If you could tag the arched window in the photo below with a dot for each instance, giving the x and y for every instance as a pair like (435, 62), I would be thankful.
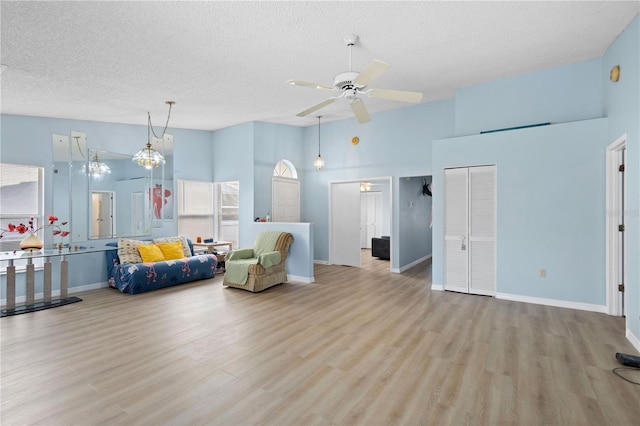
(285, 168)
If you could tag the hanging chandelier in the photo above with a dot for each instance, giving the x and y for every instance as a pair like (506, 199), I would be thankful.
(319, 161)
(97, 168)
(148, 157)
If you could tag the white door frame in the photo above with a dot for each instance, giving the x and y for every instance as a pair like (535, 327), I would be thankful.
(613, 219)
(391, 215)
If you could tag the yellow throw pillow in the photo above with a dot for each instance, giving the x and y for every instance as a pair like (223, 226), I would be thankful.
(150, 253)
(171, 250)
(185, 245)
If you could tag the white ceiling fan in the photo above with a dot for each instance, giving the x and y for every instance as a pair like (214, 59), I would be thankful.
(351, 84)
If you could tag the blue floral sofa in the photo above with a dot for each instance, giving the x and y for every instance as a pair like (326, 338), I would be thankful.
(140, 277)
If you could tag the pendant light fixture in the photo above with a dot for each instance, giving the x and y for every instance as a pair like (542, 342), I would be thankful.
(97, 168)
(148, 157)
(319, 162)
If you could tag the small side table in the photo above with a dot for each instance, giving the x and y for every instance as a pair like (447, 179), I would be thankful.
(211, 246)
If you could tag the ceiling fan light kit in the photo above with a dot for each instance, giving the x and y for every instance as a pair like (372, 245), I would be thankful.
(353, 84)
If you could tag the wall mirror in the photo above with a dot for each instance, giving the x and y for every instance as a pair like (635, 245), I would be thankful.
(69, 183)
(102, 194)
(162, 185)
(118, 196)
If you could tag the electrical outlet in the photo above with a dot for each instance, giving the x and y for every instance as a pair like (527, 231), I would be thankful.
(543, 273)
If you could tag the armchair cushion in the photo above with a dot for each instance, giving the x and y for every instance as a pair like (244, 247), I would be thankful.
(265, 242)
(269, 259)
(240, 254)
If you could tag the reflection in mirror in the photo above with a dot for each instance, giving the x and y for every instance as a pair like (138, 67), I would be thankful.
(119, 199)
(61, 180)
(162, 194)
(79, 196)
(69, 183)
(102, 215)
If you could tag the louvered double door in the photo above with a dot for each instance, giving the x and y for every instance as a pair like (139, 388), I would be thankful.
(470, 230)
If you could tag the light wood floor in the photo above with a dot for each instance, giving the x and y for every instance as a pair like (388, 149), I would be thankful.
(359, 346)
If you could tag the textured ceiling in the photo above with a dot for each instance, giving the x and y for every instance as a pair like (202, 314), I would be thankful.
(226, 63)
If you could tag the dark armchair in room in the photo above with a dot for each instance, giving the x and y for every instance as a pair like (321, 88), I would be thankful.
(380, 247)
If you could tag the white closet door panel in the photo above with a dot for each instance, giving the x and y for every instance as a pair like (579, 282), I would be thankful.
(482, 230)
(482, 267)
(482, 206)
(456, 222)
(456, 277)
(456, 205)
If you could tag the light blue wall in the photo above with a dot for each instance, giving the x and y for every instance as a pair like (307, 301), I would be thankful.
(622, 106)
(550, 207)
(395, 143)
(273, 143)
(414, 221)
(569, 93)
(233, 161)
(193, 155)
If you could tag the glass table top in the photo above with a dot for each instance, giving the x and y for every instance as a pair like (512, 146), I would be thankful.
(19, 254)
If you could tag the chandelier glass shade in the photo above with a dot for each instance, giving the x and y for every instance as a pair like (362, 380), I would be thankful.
(148, 157)
(319, 161)
(97, 168)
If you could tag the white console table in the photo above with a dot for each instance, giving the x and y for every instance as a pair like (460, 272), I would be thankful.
(47, 302)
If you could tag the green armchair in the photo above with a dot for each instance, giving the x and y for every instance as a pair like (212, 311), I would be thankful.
(261, 267)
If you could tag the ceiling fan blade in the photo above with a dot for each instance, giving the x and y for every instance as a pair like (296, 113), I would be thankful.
(360, 111)
(374, 70)
(309, 84)
(316, 107)
(395, 95)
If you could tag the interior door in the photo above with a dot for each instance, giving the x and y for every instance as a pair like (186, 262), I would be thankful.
(285, 200)
(456, 230)
(470, 228)
(370, 217)
(137, 213)
(620, 234)
(344, 239)
(482, 228)
(102, 214)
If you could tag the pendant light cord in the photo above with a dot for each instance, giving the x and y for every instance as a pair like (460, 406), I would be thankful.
(78, 145)
(165, 125)
(319, 136)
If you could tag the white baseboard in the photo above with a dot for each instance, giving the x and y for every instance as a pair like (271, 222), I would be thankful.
(437, 287)
(553, 302)
(56, 293)
(306, 280)
(414, 263)
(321, 262)
(635, 340)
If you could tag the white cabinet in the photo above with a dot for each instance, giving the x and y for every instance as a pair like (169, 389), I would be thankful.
(470, 230)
